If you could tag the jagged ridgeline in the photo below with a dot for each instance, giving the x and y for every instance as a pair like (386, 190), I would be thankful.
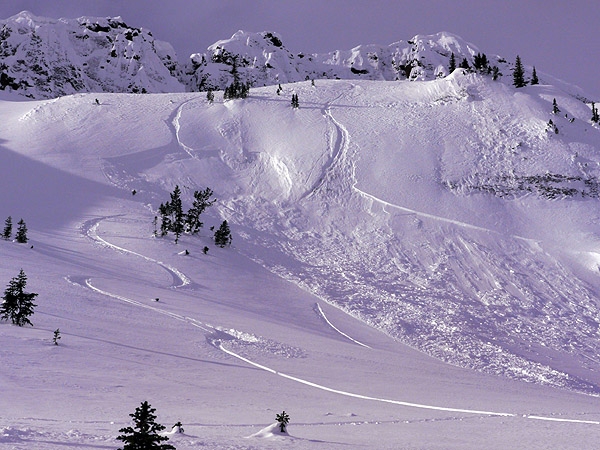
(47, 58)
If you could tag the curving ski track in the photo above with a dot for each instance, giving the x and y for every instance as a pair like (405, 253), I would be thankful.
(90, 228)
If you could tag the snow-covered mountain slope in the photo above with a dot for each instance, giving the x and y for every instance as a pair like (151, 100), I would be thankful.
(47, 58)
(444, 214)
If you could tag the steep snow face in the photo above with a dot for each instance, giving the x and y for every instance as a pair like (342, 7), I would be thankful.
(446, 213)
(45, 58)
(261, 59)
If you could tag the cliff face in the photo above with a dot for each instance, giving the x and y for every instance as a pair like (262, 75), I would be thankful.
(44, 58)
(261, 59)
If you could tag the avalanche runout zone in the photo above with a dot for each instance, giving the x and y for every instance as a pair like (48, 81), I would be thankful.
(90, 229)
(413, 307)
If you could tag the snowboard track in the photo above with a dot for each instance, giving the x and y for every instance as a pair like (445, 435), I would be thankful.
(90, 229)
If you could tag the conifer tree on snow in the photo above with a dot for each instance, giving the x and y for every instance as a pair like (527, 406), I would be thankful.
(519, 74)
(165, 218)
(174, 220)
(452, 66)
(464, 64)
(555, 109)
(595, 116)
(283, 419)
(7, 233)
(236, 89)
(495, 73)
(210, 96)
(223, 235)
(144, 434)
(534, 77)
(480, 62)
(18, 305)
(56, 336)
(295, 102)
(21, 236)
(177, 216)
(202, 200)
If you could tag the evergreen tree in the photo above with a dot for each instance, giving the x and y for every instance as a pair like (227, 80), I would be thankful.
(283, 420)
(165, 218)
(519, 74)
(534, 77)
(480, 62)
(177, 216)
(555, 109)
(18, 305)
(295, 103)
(452, 66)
(154, 225)
(223, 235)
(595, 116)
(496, 73)
(56, 336)
(21, 236)
(144, 434)
(464, 64)
(210, 96)
(202, 200)
(7, 233)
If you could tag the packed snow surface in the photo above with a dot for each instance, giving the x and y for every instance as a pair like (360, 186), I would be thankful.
(414, 265)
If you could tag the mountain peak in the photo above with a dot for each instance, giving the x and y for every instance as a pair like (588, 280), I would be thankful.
(45, 58)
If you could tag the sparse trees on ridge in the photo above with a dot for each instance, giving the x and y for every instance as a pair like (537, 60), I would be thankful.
(464, 64)
(519, 74)
(17, 305)
(480, 63)
(295, 102)
(534, 77)
(236, 89)
(452, 64)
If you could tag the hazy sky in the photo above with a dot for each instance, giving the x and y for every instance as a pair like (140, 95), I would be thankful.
(558, 37)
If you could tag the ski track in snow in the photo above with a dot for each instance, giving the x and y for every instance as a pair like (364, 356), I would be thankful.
(340, 148)
(322, 314)
(90, 229)
(177, 127)
(434, 217)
